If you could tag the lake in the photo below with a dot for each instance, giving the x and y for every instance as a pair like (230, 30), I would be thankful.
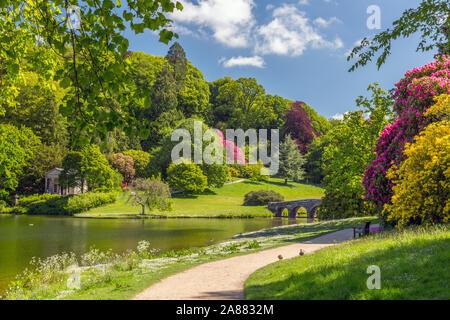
(23, 237)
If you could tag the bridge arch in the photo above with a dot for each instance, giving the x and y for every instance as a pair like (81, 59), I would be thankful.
(310, 205)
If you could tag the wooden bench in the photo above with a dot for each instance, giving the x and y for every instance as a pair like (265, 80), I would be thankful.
(361, 230)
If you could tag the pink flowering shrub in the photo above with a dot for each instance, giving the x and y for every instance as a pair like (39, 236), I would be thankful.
(231, 148)
(414, 95)
(124, 164)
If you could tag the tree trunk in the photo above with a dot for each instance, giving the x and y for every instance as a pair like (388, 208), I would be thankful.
(143, 210)
(285, 181)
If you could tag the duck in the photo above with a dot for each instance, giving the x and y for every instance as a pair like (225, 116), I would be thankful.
(280, 257)
(301, 252)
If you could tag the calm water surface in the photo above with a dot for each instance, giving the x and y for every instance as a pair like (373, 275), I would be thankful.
(24, 237)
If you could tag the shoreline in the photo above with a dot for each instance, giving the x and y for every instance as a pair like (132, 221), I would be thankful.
(111, 279)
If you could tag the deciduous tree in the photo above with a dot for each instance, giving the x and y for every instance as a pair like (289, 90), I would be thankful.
(298, 125)
(150, 193)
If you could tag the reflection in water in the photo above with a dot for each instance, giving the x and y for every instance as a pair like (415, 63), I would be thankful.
(23, 237)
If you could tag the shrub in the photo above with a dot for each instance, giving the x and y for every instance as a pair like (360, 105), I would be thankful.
(216, 174)
(52, 204)
(124, 165)
(233, 172)
(141, 160)
(421, 185)
(262, 197)
(90, 200)
(414, 95)
(36, 198)
(249, 171)
(344, 205)
(186, 177)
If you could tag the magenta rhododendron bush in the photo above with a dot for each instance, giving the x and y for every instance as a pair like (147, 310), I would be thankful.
(231, 148)
(415, 93)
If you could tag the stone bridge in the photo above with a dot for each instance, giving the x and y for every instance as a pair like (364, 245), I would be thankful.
(310, 205)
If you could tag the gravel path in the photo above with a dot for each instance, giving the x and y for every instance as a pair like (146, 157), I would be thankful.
(224, 279)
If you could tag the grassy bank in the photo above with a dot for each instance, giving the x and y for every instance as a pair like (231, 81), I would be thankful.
(224, 202)
(413, 264)
(104, 275)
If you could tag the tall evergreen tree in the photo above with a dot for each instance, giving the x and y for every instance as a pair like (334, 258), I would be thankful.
(291, 161)
(164, 95)
(176, 56)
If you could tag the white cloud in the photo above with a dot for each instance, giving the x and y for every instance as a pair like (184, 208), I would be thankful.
(270, 7)
(229, 20)
(290, 33)
(303, 2)
(321, 22)
(255, 61)
(338, 116)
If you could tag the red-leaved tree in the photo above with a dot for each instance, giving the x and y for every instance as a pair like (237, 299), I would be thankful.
(298, 125)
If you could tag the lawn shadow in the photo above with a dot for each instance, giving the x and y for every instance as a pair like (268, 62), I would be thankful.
(181, 195)
(252, 182)
(280, 184)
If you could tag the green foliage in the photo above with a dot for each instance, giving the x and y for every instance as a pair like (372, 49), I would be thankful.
(262, 198)
(248, 171)
(16, 149)
(162, 156)
(141, 160)
(45, 158)
(430, 18)
(314, 171)
(216, 174)
(193, 97)
(177, 59)
(89, 62)
(146, 68)
(291, 161)
(151, 193)
(320, 124)
(117, 141)
(72, 174)
(89, 200)
(243, 103)
(52, 204)
(338, 205)
(186, 177)
(37, 107)
(349, 152)
(91, 166)
(164, 94)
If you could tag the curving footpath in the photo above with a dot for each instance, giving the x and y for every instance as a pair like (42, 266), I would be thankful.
(224, 279)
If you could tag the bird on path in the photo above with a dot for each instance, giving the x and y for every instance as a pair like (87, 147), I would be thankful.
(280, 257)
(301, 252)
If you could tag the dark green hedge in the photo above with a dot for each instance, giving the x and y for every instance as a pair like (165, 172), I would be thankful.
(262, 197)
(47, 204)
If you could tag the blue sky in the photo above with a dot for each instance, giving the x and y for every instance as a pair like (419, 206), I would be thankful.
(296, 49)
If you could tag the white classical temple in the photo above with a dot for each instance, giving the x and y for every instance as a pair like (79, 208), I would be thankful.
(53, 186)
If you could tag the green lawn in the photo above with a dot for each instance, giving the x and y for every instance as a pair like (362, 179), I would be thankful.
(223, 202)
(413, 265)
